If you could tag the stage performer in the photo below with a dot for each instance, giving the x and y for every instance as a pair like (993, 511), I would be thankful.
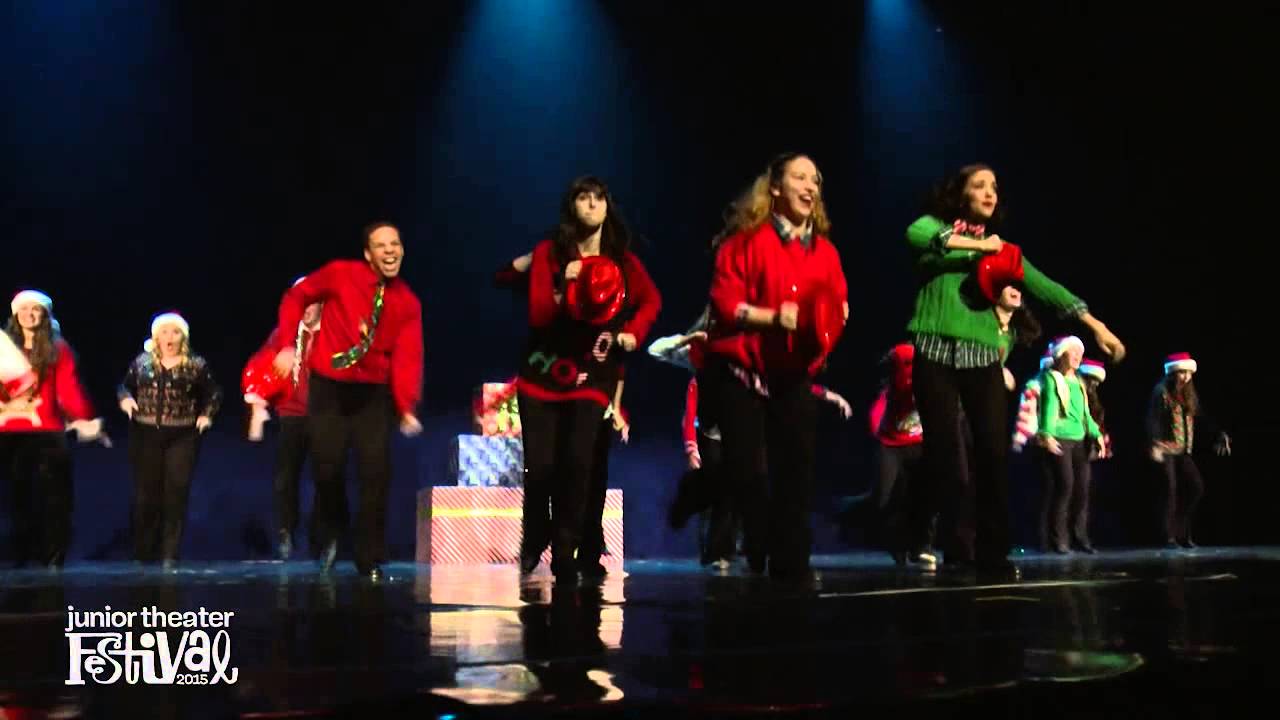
(776, 286)
(170, 396)
(34, 419)
(366, 374)
(958, 353)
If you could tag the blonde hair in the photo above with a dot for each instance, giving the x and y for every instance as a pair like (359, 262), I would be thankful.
(754, 206)
(184, 350)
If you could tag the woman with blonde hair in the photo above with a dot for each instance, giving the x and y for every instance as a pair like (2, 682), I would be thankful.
(774, 265)
(171, 397)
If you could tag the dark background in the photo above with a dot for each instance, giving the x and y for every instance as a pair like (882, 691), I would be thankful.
(200, 156)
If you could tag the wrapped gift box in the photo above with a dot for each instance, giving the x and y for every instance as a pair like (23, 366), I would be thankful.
(463, 525)
(487, 461)
(497, 410)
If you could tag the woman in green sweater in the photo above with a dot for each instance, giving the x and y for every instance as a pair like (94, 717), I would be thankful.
(957, 339)
(1067, 436)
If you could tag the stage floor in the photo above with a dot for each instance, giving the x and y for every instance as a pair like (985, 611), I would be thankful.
(1128, 633)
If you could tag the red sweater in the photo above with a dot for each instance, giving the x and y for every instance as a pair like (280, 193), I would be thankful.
(556, 338)
(894, 420)
(346, 287)
(295, 403)
(755, 267)
(60, 396)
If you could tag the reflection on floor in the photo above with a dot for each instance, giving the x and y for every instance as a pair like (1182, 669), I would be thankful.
(1140, 632)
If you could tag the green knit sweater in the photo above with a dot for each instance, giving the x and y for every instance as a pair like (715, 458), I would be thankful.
(1074, 422)
(940, 307)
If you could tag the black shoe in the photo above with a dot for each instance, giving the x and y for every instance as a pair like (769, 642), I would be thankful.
(284, 544)
(1189, 544)
(1087, 549)
(1172, 544)
(329, 556)
(593, 571)
(529, 564)
(899, 557)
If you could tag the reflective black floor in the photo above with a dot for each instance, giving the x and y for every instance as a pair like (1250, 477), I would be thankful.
(1124, 634)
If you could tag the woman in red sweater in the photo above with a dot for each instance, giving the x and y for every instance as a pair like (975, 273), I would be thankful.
(775, 254)
(33, 424)
(570, 372)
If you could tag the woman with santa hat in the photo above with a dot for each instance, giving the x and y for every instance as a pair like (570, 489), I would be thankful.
(590, 300)
(37, 408)
(958, 350)
(170, 396)
(1171, 423)
(779, 301)
(1068, 437)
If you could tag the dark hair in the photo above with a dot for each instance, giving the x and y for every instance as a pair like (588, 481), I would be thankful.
(44, 353)
(948, 202)
(1095, 400)
(1187, 397)
(1025, 326)
(373, 227)
(615, 236)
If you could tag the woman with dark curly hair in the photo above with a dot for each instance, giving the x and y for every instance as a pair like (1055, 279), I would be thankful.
(958, 352)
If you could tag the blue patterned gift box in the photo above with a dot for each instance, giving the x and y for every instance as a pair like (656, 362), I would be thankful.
(487, 461)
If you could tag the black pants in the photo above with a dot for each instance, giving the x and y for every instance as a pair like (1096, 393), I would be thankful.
(38, 468)
(291, 454)
(341, 417)
(593, 546)
(559, 454)
(900, 469)
(941, 393)
(774, 505)
(1067, 479)
(164, 460)
(1183, 490)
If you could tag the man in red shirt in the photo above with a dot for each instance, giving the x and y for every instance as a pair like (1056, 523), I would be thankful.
(366, 368)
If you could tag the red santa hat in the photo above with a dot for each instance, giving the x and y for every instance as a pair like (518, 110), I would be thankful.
(166, 318)
(35, 296)
(31, 296)
(1179, 361)
(1093, 368)
(1064, 343)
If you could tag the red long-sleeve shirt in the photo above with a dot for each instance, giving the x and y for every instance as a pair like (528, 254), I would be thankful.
(894, 420)
(346, 287)
(545, 273)
(60, 397)
(295, 403)
(553, 334)
(757, 268)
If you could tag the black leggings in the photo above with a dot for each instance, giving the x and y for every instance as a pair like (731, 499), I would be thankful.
(1067, 479)
(164, 459)
(1180, 502)
(37, 466)
(941, 393)
(559, 455)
